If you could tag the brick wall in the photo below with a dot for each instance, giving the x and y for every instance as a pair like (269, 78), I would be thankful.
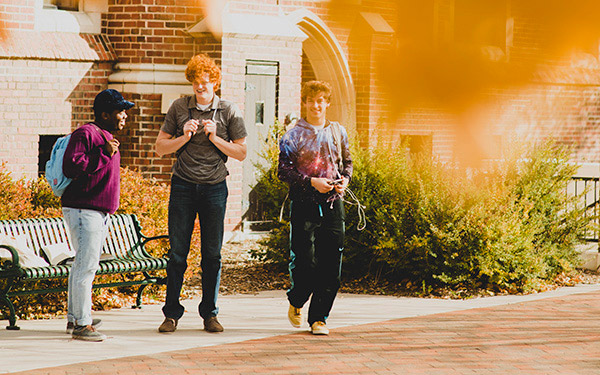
(139, 135)
(17, 14)
(82, 96)
(152, 31)
(352, 35)
(567, 113)
(36, 97)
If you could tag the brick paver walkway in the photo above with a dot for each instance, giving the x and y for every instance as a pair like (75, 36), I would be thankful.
(550, 336)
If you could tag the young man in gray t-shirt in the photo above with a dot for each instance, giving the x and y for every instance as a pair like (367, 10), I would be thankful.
(203, 131)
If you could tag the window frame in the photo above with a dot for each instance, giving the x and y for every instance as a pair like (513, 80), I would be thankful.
(88, 19)
(494, 49)
(76, 8)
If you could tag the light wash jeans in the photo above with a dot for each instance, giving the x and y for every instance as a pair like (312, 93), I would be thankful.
(88, 230)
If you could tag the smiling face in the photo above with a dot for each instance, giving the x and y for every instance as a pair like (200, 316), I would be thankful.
(204, 89)
(114, 121)
(316, 108)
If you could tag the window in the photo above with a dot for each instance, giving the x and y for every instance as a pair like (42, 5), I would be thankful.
(72, 5)
(44, 150)
(259, 116)
(417, 145)
(73, 16)
(481, 22)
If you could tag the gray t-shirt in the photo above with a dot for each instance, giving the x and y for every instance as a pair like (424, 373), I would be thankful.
(199, 160)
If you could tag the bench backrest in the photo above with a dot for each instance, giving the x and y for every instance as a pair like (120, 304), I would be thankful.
(124, 238)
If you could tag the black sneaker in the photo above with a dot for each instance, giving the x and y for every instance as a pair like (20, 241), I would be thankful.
(71, 325)
(87, 333)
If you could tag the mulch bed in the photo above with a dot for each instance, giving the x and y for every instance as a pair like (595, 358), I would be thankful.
(242, 274)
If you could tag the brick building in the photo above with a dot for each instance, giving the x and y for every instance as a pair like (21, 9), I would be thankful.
(55, 55)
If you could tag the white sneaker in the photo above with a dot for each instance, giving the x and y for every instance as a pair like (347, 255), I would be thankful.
(319, 328)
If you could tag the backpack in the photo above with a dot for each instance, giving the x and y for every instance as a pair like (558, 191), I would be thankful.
(54, 167)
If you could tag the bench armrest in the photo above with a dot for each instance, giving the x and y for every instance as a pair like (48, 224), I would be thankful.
(14, 261)
(148, 239)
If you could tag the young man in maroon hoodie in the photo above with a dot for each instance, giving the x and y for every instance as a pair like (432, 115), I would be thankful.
(92, 160)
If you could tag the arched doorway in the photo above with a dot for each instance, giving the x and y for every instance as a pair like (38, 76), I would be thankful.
(329, 64)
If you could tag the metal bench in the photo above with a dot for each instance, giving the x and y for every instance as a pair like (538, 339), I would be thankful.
(125, 243)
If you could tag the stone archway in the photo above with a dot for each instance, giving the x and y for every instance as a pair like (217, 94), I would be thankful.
(329, 64)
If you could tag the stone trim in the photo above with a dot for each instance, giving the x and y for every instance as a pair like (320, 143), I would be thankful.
(165, 79)
(256, 25)
(26, 44)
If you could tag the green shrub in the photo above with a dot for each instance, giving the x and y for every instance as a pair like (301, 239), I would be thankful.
(148, 199)
(14, 195)
(435, 225)
(271, 194)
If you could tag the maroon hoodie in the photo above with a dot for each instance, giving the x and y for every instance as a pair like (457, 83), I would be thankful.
(95, 175)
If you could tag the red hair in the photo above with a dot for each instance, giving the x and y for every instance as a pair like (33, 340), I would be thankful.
(200, 64)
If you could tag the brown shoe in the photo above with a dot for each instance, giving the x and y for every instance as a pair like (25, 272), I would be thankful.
(212, 325)
(169, 325)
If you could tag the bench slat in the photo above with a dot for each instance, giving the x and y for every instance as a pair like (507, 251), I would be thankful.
(126, 237)
(119, 241)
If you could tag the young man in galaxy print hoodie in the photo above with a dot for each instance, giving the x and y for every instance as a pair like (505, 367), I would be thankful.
(314, 159)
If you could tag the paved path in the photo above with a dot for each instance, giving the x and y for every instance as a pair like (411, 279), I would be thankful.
(548, 333)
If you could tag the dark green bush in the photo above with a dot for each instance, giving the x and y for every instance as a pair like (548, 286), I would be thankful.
(504, 227)
(271, 194)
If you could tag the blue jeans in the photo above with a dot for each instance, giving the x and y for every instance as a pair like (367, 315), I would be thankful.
(88, 230)
(208, 202)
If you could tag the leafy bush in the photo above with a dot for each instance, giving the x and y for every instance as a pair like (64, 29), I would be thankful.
(435, 225)
(24, 199)
(148, 199)
(271, 193)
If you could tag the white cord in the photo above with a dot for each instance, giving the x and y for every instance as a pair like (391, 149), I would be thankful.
(362, 217)
(282, 207)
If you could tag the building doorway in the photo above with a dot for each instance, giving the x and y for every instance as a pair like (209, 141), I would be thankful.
(259, 117)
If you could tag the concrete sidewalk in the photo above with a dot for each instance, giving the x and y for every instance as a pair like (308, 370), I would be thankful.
(258, 324)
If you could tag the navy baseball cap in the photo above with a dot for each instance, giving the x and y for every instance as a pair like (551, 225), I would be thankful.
(110, 100)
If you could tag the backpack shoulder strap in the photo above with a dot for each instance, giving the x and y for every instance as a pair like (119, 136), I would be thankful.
(99, 131)
(336, 132)
(182, 149)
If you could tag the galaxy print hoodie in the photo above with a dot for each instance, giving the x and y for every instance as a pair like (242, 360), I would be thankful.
(306, 152)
